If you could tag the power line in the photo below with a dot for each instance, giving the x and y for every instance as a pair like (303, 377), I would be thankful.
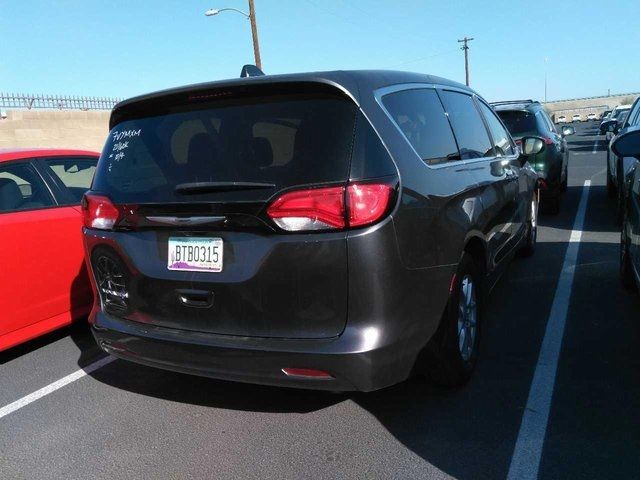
(424, 58)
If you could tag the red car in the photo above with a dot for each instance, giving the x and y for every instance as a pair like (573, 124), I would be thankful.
(43, 279)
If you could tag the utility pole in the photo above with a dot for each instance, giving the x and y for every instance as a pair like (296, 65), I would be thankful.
(545, 79)
(254, 34)
(465, 48)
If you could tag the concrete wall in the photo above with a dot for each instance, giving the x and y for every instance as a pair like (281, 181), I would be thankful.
(88, 130)
(584, 106)
(54, 128)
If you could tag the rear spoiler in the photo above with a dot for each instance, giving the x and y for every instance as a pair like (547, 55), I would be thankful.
(160, 103)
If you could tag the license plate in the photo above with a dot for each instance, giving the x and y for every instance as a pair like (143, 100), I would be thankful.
(195, 254)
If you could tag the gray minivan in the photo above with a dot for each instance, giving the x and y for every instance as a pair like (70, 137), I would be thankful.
(334, 230)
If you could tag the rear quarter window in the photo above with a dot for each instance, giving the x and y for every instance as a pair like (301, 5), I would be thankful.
(370, 157)
(420, 116)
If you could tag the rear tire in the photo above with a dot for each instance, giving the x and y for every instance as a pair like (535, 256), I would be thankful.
(619, 204)
(611, 188)
(454, 348)
(565, 182)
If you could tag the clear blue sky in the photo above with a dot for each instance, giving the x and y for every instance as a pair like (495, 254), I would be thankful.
(127, 47)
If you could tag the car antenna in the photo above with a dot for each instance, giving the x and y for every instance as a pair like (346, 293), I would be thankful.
(251, 71)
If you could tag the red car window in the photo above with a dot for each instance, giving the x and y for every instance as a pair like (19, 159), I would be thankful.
(21, 188)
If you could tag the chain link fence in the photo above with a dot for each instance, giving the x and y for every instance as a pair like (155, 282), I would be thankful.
(58, 102)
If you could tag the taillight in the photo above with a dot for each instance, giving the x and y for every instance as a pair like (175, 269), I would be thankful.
(100, 213)
(316, 209)
(331, 208)
(367, 203)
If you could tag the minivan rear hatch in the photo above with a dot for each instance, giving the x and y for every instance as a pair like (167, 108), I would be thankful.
(199, 169)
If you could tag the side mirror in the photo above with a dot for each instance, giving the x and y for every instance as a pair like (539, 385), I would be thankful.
(608, 126)
(568, 130)
(532, 145)
(627, 144)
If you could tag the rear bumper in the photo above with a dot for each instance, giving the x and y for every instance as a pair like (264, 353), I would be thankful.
(358, 360)
(551, 181)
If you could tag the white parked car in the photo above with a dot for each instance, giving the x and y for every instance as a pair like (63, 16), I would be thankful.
(576, 118)
(592, 116)
(561, 119)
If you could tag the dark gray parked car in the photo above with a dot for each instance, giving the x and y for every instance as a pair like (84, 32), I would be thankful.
(332, 230)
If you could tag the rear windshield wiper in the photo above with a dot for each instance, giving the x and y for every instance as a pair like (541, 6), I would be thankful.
(210, 187)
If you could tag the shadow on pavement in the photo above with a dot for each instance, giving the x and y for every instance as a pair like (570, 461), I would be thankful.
(593, 426)
(209, 392)
(590, 133)
(601, 147)
(587, 146)
(470, 432)
(33, 345)
(601, 213)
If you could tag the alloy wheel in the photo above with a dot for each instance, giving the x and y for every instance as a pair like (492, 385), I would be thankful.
(111, 283)
(467, 318)
(534, 217)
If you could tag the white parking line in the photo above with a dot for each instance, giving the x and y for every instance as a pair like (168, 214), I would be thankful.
(528, 450)
(52, 387)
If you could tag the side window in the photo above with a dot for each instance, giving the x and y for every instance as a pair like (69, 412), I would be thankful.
(634, 116)
(542, 123)
(75, 174)
(21, 188)
(472, 135)
(501, 139)
(420, 116)
(550, 126)
(369, 159)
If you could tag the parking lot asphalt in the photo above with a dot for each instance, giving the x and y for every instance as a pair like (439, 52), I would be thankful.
(129, 421)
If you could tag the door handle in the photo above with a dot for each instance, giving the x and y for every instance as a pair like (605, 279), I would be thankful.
(195, 298)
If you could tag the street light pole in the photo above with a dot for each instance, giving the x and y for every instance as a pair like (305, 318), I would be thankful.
(545, 79)
(251, 16)
(254, 34)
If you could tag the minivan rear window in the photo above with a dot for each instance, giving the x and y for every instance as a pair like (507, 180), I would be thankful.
(283, 141)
